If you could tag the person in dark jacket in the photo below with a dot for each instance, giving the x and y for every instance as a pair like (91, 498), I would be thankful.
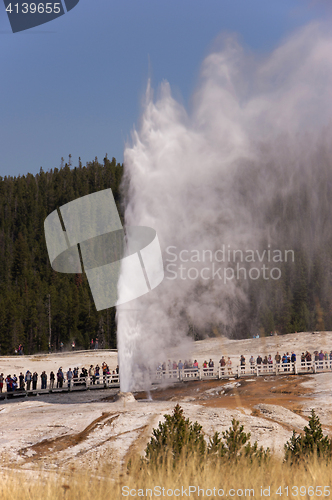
(21, 379)
(43, 380)
(52, 379)
(34, 381)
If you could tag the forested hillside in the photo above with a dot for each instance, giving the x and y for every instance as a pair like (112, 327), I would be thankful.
(27, 282)
(300, 300)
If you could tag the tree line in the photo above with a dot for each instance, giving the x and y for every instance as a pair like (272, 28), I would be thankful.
(33, 297)
(38, 305)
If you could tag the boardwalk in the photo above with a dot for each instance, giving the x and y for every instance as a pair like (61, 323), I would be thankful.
(184, 375)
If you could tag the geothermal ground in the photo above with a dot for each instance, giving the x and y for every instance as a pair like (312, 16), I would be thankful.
(58, 431)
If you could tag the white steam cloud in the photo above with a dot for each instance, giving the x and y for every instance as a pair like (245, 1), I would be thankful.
(258, 132)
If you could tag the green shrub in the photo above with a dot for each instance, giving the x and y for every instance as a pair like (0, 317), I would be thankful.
(178, 438)
(175, 438)
(312, 442)
(236, 445)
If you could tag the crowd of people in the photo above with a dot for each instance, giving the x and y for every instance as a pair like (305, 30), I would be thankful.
(263, 364)
(93, 375)
(96, 374)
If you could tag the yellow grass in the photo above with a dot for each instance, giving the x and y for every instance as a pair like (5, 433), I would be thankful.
(235, 481)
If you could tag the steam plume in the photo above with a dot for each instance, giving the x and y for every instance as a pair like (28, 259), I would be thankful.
(248, 167)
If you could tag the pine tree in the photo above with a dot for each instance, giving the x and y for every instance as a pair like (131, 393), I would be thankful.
(175, 438)
(312, 442)
(236, 445)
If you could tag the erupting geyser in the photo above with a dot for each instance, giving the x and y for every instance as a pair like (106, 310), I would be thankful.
(249, 167)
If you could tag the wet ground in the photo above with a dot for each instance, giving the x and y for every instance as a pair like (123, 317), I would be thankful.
(283, 390)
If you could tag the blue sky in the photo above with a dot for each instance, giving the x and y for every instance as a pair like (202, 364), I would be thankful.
(75, 85)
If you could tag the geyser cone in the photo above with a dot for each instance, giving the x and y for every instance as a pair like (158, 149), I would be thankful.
(126, 397)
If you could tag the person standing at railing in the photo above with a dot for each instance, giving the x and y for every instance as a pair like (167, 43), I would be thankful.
(69, 377)
(308, 359)
(75, 375)
(52, 379)
(205, 367)
(302, 360)
(34, 381)
(28, 377)
(326, 358)
(91, 373)
(252, 364)
(277, 358)
(9, 383)
(196, 365)
(83, 376)
(21, 379)
(259, 361)
(43, 380)
(316, 357)
(105, 370)
(293, 357)
(60, 378)
(242, 363)
(97, 374)
(222, 362)
(180, 365)
(1, 382)
(321, 358)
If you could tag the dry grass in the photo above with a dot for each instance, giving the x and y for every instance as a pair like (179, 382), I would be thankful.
(107, 484)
